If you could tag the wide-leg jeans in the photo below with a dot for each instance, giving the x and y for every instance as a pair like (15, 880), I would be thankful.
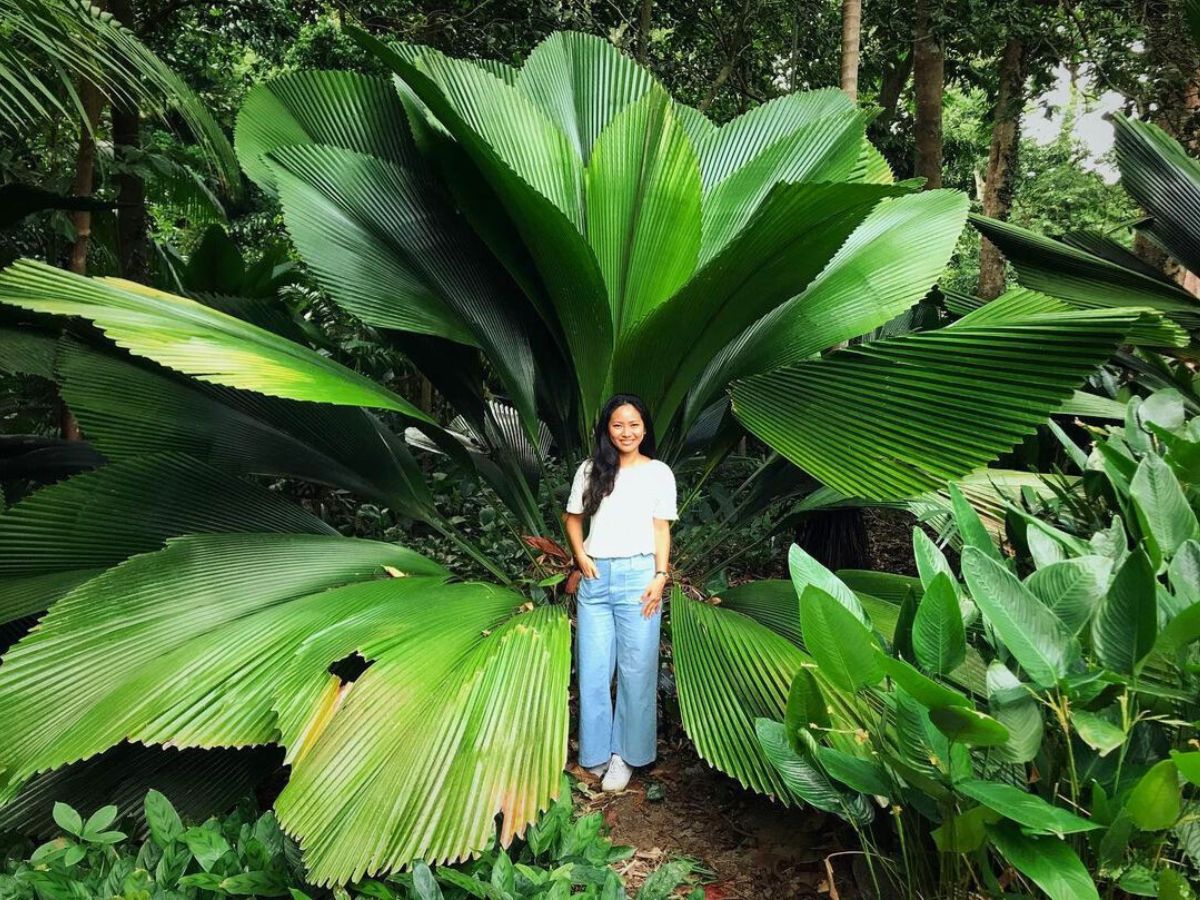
(613, 635)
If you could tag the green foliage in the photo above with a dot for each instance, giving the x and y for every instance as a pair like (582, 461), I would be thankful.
(532, 238)
(246, 854)
(51, 46)
(1093, 681)
(241, 854)
(1091, 270)
(753, 255)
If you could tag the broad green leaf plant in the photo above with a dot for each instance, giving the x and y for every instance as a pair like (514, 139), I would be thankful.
(534, 239)
(247, 854)
(1039, 713)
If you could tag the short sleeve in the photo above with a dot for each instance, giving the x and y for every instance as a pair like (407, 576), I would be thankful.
(575, 500)
(664, 501)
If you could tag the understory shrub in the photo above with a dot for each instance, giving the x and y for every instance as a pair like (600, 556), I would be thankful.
(246, 854)
(1030, 722)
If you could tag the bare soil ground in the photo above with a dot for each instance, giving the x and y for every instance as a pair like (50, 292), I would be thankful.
(747, 845)
(889, 541)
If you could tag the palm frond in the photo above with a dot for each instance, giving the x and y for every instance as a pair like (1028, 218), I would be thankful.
(884, 421)
(582, 82)
(192, 338)
(49, 46)
(875, 275)
(527, 160)
(782, 248)
(731, 670)
(643, 208)
(1165, 181)
(66, 533)
(226, 640)
(200, 783)
(1017, 304)
(130, 409)
(1084, 280)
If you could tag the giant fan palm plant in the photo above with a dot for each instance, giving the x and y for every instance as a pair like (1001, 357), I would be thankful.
(578, 231)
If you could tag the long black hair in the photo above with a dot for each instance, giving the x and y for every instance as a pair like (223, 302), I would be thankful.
(605, 457)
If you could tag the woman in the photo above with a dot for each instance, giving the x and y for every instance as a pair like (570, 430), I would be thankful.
(630, 498)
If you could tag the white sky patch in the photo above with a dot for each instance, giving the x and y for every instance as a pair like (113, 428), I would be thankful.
(1089, 127)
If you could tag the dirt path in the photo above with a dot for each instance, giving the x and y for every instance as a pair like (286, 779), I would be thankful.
(753, 848)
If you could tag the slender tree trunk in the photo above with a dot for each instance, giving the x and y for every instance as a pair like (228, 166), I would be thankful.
(851, 32)
(133, 240)
(895, 77)
(718, 83)
(928, 80)
(998, 182)
(81, 219)
(85, 169)
(644, 31)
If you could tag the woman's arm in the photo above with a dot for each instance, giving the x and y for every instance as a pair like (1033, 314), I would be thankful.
(652, 596)
(575, 538)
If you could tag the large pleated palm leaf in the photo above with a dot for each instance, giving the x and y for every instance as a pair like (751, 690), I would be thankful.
(589, 234)
(581, 231)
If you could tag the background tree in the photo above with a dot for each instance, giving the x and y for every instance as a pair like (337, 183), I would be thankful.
(928, 84)
(851, 37)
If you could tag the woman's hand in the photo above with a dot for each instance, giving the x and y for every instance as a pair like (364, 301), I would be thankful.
(587, 567)
(652, 596)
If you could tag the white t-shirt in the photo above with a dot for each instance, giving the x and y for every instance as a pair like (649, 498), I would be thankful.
(624, 523)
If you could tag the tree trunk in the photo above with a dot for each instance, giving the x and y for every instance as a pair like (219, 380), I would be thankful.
(133, 240)
(836, 538)
(851, 31)
(895, 77)
(722, 77)
(928, 79)
(644, 32)
(81, 219)
(85, 169)
(998, 183)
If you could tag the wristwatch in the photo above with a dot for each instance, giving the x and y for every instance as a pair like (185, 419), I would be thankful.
(664, 574)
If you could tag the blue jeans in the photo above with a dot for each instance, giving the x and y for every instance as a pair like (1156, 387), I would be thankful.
(612, 634)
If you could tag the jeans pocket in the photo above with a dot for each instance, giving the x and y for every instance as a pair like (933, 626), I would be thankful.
(636, 579)
(647, 567)
(589, 587)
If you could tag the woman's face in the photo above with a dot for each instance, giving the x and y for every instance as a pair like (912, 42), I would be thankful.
(625, 428)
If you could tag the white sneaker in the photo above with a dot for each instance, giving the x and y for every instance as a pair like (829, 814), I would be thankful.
(599, 770)
(617, 776)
